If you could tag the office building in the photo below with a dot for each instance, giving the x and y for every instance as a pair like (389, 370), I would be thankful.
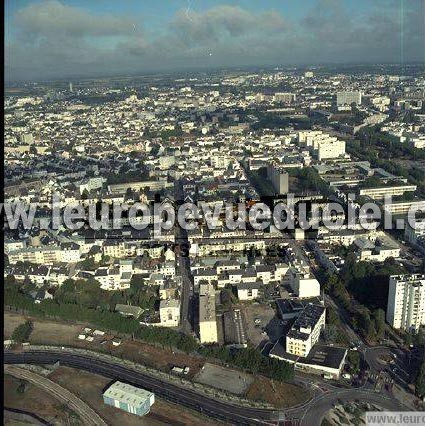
(129, 398)
(406, 302)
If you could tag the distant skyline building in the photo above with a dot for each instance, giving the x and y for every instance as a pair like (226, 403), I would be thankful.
(70, 87)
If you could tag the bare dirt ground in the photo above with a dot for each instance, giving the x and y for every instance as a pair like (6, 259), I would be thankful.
(281, 395)
(161, 359)
(36, 401)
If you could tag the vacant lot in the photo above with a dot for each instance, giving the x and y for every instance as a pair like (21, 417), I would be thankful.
(45, 331)
(251, 312)
(226, 379)
(281, 395)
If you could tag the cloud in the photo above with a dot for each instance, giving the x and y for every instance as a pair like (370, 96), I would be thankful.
(53, 39)
(52, 18)
(223, 22)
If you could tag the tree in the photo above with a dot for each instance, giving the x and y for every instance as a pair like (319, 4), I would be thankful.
(408, 339)
(420, 381)
(88, 264)
(21, 387)
(9, 281)
(365, 323)
(332, 316)
(22, 332)
(353, 359)
(419, 339)
(379, 319)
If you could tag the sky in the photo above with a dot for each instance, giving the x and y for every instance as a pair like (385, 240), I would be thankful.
(54, 39)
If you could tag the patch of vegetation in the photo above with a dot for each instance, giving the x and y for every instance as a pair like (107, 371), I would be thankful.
(22, 332)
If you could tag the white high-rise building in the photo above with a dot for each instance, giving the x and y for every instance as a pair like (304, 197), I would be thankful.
(406, 302)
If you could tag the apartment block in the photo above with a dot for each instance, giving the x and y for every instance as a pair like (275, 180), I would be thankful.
(406, 302)
(381, 192)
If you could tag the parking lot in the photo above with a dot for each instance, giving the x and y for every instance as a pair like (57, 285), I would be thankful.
(258, 319)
